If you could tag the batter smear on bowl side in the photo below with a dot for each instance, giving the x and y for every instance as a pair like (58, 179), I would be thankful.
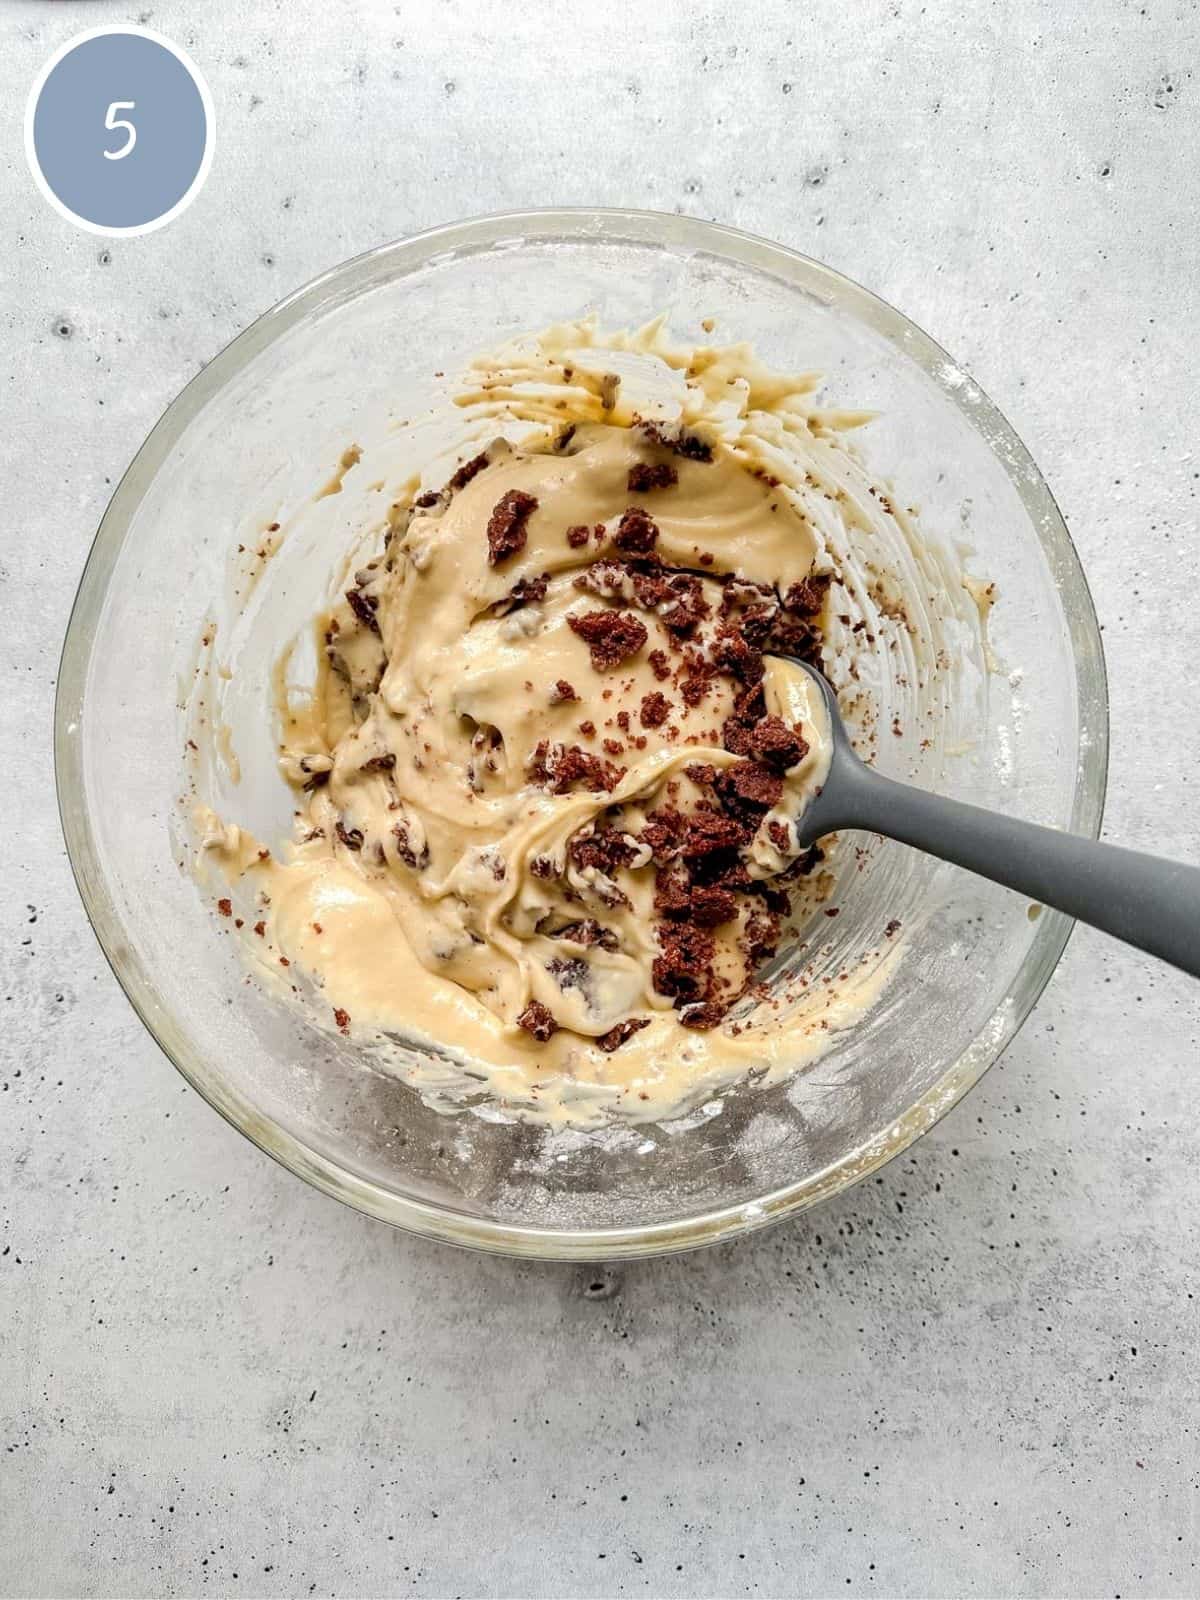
(549, 774)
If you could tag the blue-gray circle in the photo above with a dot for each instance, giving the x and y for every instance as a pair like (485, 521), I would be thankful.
(70, 137)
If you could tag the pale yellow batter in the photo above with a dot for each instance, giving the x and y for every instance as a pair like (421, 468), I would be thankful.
(549, 779)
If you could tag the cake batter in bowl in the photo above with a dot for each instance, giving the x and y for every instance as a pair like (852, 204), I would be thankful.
(267, 450)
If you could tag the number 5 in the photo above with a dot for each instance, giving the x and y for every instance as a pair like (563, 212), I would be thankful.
(113, 123)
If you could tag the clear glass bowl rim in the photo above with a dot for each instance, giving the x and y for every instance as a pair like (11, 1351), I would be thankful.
(406, 255)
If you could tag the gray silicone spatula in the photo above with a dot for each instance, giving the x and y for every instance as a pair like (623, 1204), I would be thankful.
(1148, 902)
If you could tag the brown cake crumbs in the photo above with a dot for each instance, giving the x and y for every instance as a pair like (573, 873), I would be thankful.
(711, 904)
(776, 745)
(748, 708)
(608, 578)
(342, 1018)
(578, 535)
(225, 907)
(689, 445)
(804, 864)
(660, 664)
(795, 635)
(506, 529)
(780, 835)
(760, 939)
(543, 867)
(616, 1036)
(562, 691)
(807, 598)
(636, 532)
(364, 607)
(405, 851)
(568, 972)
(383, 763)
(260, 929)
(429, 498)
(587, 728)
(644, 476)
(697, 682)
(613, 747)
(673, 891)
(683, 605)
(707, 1015)
(538, 1020)
(734, 654)
(654, 710)
(604, 850)
(611, 636)
(352, 838)
(892, 928)
(693, 448)
(662, 833)
(558, 767)
(683, 969)
(528, 591)
(462, 476)
(710, 831)
(747, 784)
(587, 932)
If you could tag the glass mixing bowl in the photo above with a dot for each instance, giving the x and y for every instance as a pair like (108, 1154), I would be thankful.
(364, 339)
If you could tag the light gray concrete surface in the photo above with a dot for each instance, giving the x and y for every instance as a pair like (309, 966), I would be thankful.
(975, 1374)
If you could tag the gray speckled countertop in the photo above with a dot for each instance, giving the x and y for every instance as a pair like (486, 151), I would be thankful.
(975, 1373)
